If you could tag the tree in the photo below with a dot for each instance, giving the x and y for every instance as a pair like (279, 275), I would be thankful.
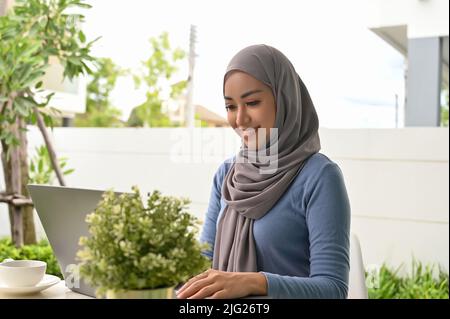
(99, 111)
(30, 33)
(159, 67)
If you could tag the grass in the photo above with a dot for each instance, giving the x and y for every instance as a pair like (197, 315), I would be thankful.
(424, 282)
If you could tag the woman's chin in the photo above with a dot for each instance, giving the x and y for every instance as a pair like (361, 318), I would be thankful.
(251, 146)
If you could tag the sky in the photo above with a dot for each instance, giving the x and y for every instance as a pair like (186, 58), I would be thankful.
(353, 76)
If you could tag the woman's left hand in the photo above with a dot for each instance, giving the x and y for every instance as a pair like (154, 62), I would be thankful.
(221, 284)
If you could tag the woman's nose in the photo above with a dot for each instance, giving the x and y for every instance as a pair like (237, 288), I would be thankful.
(242, 116)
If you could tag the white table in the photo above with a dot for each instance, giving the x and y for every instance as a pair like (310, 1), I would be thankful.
(58, 291)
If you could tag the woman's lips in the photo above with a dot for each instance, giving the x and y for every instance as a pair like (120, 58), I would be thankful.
(248, 132)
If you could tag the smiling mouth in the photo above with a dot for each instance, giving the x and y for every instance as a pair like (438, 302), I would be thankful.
(248, 132)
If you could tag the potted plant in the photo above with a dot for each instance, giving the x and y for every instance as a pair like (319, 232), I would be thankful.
(140, 252)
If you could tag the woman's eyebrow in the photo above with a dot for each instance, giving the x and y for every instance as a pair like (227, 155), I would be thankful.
(244, 95)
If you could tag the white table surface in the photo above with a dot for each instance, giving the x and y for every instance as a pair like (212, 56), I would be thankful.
(58, 291)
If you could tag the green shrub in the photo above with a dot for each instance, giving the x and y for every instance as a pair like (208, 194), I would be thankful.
(40, 251)
(134, 247)
(420, 284)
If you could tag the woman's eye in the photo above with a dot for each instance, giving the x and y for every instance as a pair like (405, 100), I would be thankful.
(231, 107)
(253, 103)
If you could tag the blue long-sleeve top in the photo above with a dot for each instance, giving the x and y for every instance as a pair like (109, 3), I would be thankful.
(302, 242)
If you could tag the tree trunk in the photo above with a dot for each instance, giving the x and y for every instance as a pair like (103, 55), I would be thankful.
(13, 186)
(29, 231)
(16, 180)
(7, 174)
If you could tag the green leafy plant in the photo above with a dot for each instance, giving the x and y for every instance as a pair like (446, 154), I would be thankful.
(99, 110)
(41, 170)
(40, 251)
(33, 34)
(159, 69)
(133, 247)
(422, 283)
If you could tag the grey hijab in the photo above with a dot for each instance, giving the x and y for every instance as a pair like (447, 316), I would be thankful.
(249, 195)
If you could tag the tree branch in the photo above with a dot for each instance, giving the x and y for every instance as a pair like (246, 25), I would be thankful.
(3, 107)
(8, 103)
(15, 199)
(12, 195)
(48, 143)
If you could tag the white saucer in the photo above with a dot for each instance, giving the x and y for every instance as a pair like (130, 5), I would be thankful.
(46, 282)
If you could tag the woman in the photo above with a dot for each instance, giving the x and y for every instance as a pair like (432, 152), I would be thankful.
(279, 217)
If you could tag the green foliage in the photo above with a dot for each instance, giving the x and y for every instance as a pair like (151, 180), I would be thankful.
(159, 69)
(110, 117)
(421, 284)
(135, 247)
(40, 251)
(99, 111)
(30, 34)
(444, 111)
(148, 114)
(200, 122)
(41, 169)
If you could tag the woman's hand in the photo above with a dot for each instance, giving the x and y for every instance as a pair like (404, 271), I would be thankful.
(225, 285)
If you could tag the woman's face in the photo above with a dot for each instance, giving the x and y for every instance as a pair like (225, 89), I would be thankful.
(250, 106)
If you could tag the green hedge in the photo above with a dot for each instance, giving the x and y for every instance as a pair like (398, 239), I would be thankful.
(424, 282)
(41, 251)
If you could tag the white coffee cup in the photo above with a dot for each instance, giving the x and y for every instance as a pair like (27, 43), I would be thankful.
(22, 273)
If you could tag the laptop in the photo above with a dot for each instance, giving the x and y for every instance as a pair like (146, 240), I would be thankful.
(62, 211)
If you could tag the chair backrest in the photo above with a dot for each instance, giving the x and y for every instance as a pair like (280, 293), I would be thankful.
(357, 288)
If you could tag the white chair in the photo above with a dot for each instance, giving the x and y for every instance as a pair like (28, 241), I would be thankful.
(357, 288)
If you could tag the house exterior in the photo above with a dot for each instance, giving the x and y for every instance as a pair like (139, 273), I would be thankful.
(419, 30)
(176, 110)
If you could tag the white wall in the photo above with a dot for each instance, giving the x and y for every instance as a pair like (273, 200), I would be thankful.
(397, 179)
(398, 183)
(424, 18)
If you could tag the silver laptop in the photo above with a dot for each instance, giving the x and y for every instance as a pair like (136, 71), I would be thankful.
(62, 211)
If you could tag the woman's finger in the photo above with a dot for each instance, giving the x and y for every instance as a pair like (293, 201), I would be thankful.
(192, 280)
(220, 294)
(206, 292)
(194, 287)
